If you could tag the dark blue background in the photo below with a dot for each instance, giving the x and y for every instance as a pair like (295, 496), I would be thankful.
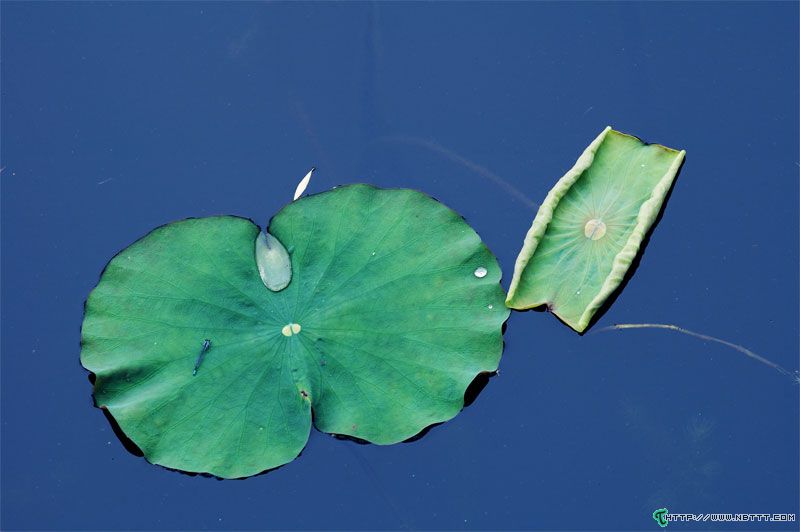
(118, 118)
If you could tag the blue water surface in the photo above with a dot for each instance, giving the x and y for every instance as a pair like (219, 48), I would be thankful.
(119, 117)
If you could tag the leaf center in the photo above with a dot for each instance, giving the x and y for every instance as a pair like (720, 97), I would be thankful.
(291, 329)
(595, 229)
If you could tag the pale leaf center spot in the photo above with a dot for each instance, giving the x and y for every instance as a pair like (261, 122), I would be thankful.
(595, 229)
(290, 329)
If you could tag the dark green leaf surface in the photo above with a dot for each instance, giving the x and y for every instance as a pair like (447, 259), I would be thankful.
(381, 330)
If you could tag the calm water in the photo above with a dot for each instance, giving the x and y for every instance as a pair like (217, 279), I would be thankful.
(118, 118)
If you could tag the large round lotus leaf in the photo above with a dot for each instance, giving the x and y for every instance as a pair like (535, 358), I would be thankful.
(384, 325)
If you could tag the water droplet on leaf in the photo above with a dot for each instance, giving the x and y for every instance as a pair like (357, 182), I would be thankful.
(274, 264)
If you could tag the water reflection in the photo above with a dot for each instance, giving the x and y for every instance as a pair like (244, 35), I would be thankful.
(679, 458)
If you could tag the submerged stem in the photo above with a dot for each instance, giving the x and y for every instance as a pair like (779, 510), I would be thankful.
(755, 356)
(463, 161)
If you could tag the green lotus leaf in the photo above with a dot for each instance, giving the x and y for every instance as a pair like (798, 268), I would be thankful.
(588, 231)
(393, 308)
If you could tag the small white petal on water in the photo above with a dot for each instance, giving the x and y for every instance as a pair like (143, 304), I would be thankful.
(301, 187)
(481, 272)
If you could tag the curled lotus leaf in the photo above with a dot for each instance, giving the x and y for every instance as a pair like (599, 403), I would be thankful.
(591, 226)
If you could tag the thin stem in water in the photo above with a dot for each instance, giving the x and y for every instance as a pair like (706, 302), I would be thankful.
(755, 356)
(463, 161)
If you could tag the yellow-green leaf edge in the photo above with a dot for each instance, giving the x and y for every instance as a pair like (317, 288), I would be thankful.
(648, 212)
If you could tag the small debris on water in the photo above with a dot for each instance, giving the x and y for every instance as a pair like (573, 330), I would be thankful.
(481, 272)
(301, 187)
